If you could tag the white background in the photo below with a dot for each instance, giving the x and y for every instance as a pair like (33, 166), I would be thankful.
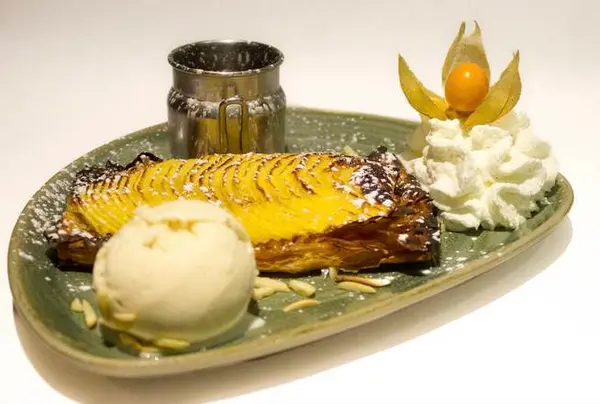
(75, 74)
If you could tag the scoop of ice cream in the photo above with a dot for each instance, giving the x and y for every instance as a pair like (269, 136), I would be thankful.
(183, 270)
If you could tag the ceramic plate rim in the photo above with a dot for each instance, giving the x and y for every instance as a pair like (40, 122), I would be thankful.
(136, 368)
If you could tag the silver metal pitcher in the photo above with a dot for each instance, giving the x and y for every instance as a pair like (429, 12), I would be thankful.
(226, 98)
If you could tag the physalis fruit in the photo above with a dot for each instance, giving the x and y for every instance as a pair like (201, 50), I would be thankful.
(466, 78)
(466, 87)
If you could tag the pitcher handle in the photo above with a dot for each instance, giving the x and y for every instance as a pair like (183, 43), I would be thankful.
(222, 119)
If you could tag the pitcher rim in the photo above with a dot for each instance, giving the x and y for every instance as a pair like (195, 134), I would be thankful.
(217, 73)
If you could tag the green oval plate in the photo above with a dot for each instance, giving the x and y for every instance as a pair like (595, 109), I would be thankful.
(42, 293)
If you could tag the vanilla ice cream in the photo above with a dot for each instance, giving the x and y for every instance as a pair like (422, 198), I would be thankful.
(492, 176)
(180, 271)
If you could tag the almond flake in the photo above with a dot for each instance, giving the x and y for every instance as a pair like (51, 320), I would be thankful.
(130, 341)
(376, 283)
(279, 286)
(301, 304)
(170, 343)
(76, 305)
(356, 287)
(349, 151)
(261, 293)
(333, 273)
(124, 317)
(149, 349)
(302, 288)
(89, 315)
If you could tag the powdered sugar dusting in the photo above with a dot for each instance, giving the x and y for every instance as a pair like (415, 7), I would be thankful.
(376, 183)
(307, 131)
(26, 256)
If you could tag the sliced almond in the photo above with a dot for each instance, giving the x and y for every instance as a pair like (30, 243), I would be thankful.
(149, 349)
(89, 315)
(124, 317)
(279, 286)
(302, 288)
(349, 151)
(171, 343)
(333, 272)
(374, 282)
(356, 287)
(261, 293)
(301, 304)
(130, 341)
(76, 305)
(103, 305)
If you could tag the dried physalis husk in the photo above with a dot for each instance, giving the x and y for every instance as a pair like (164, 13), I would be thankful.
(466, 49)
(501, 99)
(420, 98)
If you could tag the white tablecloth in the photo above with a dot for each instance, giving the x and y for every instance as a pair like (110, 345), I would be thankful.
(75, 74)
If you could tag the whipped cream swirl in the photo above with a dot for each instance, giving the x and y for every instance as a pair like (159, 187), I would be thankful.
(492, 176)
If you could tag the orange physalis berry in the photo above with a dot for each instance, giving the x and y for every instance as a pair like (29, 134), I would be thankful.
(466, 87)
